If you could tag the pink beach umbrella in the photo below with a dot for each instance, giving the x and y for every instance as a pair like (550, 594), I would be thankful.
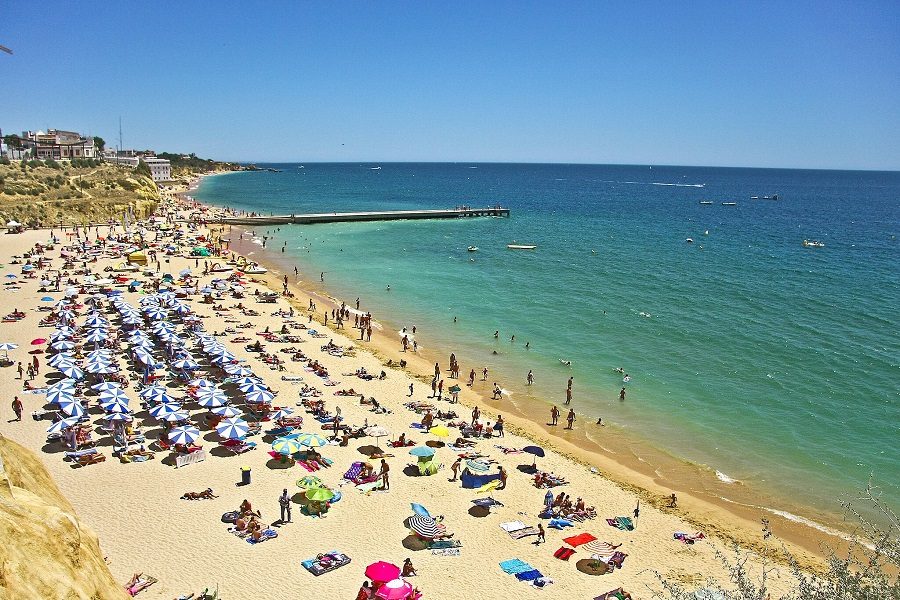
(382, 571)
(396, 589)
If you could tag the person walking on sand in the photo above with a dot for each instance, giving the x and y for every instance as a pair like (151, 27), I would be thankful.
(503, 477)
(570, 418)
(20, 370)
(476, 412)
(529, 378)
(554, 415)
(410, 390)
(454, 468)
(540, 536)
(385, 479)
(17, 408)
(285, 502)
(471, 378)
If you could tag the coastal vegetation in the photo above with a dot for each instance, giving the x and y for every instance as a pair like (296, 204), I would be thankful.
(79, 191)
(190, 165)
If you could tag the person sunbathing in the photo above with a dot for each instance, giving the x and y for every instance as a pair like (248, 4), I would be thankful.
(464, 443)
(138, 583)
(246, 510)
(206, 494)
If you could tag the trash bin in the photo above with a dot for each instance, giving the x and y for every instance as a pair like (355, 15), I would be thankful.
(245, 475)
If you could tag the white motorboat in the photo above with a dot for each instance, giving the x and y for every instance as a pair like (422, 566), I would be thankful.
(520, 247)
(472, 248)
(813, 244)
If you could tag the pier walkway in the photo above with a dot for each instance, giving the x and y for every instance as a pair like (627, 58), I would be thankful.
(350, 217)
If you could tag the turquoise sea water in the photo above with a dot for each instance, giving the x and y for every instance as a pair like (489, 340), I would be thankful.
(772, 363)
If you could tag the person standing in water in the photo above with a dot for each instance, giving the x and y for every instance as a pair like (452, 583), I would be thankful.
(530, 377)
(569, 392)
(622, 395)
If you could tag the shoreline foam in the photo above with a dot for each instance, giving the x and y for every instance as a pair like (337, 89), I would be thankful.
(638, 465)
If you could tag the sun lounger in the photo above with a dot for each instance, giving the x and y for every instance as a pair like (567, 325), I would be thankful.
(237, 448)
(326, 563)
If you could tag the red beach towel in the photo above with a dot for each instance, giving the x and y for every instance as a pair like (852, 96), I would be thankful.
(564, 553)
(577, 540)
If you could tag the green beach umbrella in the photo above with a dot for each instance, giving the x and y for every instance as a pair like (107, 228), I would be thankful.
(309, 482)
(319, 494)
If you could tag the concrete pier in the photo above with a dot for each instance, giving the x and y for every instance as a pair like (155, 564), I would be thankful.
(389, 215)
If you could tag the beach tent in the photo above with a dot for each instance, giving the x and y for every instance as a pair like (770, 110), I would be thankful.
(472, 480)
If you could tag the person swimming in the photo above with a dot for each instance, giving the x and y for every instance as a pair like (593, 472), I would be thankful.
(568, 363)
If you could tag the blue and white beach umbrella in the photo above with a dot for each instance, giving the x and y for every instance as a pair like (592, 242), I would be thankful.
(160, 411)
(62, 424)
(96, 336)
(185, 364)
(55, 396)
(213, 399)
(259, 397)
(239, 370)
(115, 393)
(62, 345)
(201, 383)
(118, 416)
(72, 371)
(115, 406)
(106, 386)
(280, 414)
(153, 392)
(67, 385)
(247, 380)
(71, 407)
(233, 429)
(143, 356)
(254, 386)
(226, 411)
(156, 313)
(176, 417)
(185, 435)
(62, 357)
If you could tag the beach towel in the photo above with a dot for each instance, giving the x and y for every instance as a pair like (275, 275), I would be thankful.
(368, 487)
(444, 544)
(353, 472)
(611, 595)
(520, 533)
(529, 575)
(625, 523)
(564, 553)
(577, 540)
(330, 561)
(514, 565)
(445, 552)
(268, 534)
(511, 526)
(598, 548)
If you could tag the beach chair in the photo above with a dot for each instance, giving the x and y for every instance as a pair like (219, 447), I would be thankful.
(237, 446)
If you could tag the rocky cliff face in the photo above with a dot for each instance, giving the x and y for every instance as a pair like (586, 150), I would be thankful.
(45, 553)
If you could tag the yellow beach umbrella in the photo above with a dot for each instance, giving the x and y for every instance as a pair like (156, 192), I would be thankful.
(440, 431)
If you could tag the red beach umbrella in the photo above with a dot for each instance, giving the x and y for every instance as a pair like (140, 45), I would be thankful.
(382, 571)
(38, 342)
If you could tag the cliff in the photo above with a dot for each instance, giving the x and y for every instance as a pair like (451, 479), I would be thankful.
(45, 552)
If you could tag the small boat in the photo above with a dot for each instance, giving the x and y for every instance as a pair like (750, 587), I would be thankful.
(729, 204)
(813, 244)
(472, 248)
(374, 168)
(772, 197)
(690, 240)
(754, 197)
(706, 202)
(520, 247)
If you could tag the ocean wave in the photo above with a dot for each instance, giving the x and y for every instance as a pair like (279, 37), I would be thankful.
(725, 478)
(693, 185)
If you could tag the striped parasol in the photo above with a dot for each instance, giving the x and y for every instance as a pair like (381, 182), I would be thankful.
(233, 428)
(600, 549)
(226, 411)
(160, 411)
(286, 446)
(186, 434)
(309, 482)
(311, 440)
(425, 527)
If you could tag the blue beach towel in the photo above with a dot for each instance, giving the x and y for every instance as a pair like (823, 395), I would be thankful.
(560, 523)
(514, 566)
(529, 575)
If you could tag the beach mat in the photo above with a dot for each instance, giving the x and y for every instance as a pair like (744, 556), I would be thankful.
(577, 540)
(514, 566)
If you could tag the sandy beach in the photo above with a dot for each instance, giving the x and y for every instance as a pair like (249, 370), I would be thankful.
(144, 526)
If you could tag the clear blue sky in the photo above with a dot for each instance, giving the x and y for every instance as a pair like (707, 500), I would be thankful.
(783, 84)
